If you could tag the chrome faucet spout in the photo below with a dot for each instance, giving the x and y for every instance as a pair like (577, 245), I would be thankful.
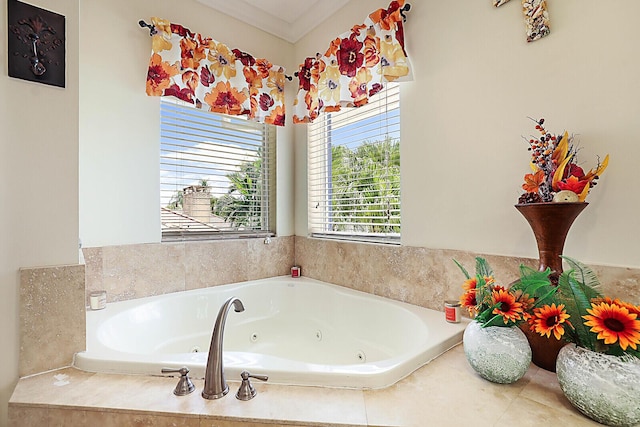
(215, 385)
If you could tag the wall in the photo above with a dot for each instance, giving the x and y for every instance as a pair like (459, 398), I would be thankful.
(120, 124)
(476, 80)
(38, 180)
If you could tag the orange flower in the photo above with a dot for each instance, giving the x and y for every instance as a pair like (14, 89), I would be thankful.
(276, 117)
(526, 301)
(470, 284)
(548, 319)
(468, 301)
(532, 182)
(468, 298)
(506, 305)
(225, 99)
(614, 323)
(387, 18)
(191, 53)
(371, 51)
(159, 75)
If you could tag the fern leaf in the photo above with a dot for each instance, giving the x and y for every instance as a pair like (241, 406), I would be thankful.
(586, 276)
(576, 296)
(483, 268)
(464, 270)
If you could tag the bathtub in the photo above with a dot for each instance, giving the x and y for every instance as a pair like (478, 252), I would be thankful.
(297, 331)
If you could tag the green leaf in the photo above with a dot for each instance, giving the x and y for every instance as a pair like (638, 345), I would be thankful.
(576, 296)
(483, 268)
(464, 270)
(585, 276)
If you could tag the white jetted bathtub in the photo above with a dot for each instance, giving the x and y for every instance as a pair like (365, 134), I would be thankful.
(297, 331)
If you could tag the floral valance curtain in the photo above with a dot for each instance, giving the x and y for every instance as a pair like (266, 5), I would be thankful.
(209, 75)
(355, 67)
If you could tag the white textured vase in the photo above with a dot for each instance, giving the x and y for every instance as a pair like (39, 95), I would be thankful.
(499, 354)
(605, 388)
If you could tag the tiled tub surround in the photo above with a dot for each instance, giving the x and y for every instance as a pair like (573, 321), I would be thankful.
(419, 276)
(52, 317)
(446, 392)
(136, 271)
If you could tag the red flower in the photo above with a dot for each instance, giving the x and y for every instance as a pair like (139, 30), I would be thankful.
(350, 57)
(304, 73)
(180, 30)
(266, 102)
(573, 184)
(575, 170)
(184, 94)
(246, 59)
(206, 78)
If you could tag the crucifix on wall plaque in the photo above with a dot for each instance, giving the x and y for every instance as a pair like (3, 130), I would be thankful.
(36, 44)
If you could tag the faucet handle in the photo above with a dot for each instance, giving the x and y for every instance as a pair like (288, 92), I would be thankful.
(246, 390)
(185, 385)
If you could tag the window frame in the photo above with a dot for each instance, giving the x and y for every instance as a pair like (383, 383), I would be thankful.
(382, 115)
(221, 145)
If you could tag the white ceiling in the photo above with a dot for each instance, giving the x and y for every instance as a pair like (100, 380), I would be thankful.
(287, 19)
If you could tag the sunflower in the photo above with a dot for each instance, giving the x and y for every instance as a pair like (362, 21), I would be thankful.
(548, 319)
(505, 305)
(614, 323)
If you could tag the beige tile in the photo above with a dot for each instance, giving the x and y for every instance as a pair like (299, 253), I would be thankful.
(67, 418)
(528, 413)
(93, 270)
(214, 263)
(435, 394)
(134, 271)
(52, 317)
(269, 260)
(545, 390)
(27, 416)
(296, 405)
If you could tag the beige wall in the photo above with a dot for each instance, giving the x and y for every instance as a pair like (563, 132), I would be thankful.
(120, 124)
(476, 80)
(38, 180)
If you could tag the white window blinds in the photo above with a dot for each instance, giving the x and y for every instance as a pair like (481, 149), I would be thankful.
(354, 171)
(217, 174)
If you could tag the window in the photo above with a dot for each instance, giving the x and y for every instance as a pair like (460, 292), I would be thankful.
(217, 174)
(354, 171)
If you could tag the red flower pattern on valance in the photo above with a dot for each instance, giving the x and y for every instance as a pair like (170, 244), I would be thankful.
(355, 67)
(200, 71)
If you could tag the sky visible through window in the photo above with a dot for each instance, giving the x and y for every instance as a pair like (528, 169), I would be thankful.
(199, 146)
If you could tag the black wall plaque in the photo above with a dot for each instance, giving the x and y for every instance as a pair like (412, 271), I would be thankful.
(36, 44)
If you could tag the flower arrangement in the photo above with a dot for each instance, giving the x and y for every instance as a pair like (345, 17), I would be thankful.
(580, 314)
(491, 304)
(556, 175)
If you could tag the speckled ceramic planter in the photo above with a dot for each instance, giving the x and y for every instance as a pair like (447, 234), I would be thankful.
(604, 388)
(499, 354)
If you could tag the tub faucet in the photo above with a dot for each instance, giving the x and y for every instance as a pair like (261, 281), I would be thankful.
(215, 385)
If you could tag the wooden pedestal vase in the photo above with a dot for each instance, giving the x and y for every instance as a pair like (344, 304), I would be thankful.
(550, 223)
